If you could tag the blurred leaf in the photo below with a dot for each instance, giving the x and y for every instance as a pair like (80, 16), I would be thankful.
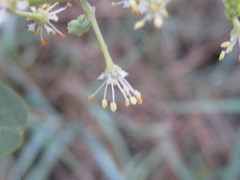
(102, 156)
(42, 132)
(13, 111)
(13, 117)
(110, 128)
(140, 167)
(231, 171)
(9, 140)
(52, 153)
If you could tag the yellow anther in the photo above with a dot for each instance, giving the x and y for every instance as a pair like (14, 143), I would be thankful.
(62, 36)
(138, 25)
(158, 22)
(222, 55)
(113, 4)
(43, 42)
(136, 12)
(154, 8)
(104, 103)
(229, 49)
(36, 32)
(165, 13)
(139, 100)
(133, 4)
(113, 106)
(28, 20)
(114, 83)
(91, 97)
(137, 94)
(69, 5)
(53, 33)
(133, 100)
(127, 102)
(225, 44)
(46, 7)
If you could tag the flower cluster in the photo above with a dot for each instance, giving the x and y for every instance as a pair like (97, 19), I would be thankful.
(232, 8)
(41, 19)
(152, 10)
(44, 16)
(234, 38)
(116, 78)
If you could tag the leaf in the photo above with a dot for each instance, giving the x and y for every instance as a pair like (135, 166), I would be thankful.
(13, 118)
(9, 140)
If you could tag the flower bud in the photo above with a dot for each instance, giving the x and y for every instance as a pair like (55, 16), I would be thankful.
(232, 8)
(79, 26)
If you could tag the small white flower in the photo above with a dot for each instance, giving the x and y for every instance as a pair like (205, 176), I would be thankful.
(152, 10)
(116, 78)
(138, 7)
(228, 45)
(234, 38)
(125, 3)
(155, 10)
(48, 15)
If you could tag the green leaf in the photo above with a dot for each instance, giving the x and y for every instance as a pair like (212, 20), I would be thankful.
(13, 119)
(10, 140)
(79, 26)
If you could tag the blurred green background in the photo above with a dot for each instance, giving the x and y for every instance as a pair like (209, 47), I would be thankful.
(187, 127)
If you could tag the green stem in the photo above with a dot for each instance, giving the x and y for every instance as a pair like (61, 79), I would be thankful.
(24, 14)
(39, 2)
(90, 12)
(236, 23)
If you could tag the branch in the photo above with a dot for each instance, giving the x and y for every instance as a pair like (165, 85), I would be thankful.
(39, 2)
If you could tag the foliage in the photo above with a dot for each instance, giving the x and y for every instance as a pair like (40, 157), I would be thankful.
(13, 118)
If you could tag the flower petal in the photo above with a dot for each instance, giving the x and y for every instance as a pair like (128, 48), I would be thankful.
(31, 27)
(102, 76)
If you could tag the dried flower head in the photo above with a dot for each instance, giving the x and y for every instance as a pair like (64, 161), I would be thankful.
(116, 78)
(44, 22)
